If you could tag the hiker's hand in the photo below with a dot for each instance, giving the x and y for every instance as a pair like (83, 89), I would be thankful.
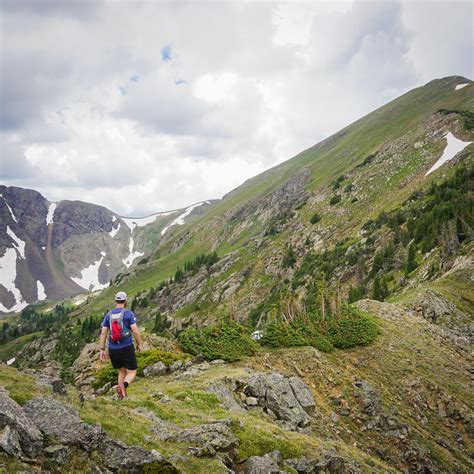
(139, 348)
(102, 355)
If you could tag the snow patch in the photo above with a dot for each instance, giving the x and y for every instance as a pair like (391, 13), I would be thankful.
(114, 218)
(133, 255)
(180, 219)
(41, 292)
(113, 232)
(19, 244)
(79, 301)
(51, 209)
(133, 222)
(7, 279)
(11, 361)
(10, 209)
(460, 86)
(453, 147)
(89, 278)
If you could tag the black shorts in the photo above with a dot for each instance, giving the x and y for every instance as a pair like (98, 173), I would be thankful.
(124, 357)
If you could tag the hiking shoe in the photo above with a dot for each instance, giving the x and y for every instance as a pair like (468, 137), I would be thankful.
(120, 391)
(124, 391)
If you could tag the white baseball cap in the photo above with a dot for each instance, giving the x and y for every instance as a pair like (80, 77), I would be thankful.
(121, 296)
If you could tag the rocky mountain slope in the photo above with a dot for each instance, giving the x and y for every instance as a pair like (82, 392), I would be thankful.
(55, 250)
(318, 319)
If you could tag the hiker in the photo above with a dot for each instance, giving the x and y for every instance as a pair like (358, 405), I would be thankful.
(121, 323)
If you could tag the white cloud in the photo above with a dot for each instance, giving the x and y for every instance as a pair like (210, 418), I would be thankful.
(102, 115)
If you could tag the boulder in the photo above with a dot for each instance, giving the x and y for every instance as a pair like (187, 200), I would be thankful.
(266, 464)
(21, 431)
(215, 436)
(117, 456)
(62, 422)
(10, 442)
(58, 453)
(302, 393)
(274, 393)
(225, 396)
(176, 366)
(156, 369)
(368, 397)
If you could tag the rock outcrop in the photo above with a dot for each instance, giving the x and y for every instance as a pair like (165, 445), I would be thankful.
(48, 429)
(287, 399)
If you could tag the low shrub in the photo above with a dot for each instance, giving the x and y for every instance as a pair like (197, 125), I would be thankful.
(144, 359)
(315, 218)
(227, 340)
(294, 334)
(335, 199)
(357, 329)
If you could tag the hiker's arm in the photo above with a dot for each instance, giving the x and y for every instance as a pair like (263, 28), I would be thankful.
(103, 338)
(137, 335)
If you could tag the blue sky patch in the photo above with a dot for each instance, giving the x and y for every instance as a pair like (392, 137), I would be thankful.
(166, 53)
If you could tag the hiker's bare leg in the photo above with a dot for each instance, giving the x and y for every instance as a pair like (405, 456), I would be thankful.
(130, 377)
(121, 375)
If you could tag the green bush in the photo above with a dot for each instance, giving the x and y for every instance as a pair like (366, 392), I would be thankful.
(226, 340)
(358, 329)
(315, 218)
(299, 332)
(144, 359)
(335, 199)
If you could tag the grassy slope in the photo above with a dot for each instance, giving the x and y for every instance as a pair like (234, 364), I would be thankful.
(334, 156)
(407, 350)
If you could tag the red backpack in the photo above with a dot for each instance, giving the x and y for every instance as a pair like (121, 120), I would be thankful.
(118, 330)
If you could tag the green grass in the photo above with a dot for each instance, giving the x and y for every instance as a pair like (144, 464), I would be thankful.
(11, 348)
(22, 387)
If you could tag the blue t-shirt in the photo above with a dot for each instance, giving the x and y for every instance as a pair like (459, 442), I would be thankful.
(128, 320)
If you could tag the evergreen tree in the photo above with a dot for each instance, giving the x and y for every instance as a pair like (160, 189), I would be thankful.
(290, 258)
(377, 290)
(410, 263)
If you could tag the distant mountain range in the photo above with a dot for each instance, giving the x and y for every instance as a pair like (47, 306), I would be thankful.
(53, 250)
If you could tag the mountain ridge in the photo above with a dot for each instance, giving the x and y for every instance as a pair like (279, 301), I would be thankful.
(317, 319)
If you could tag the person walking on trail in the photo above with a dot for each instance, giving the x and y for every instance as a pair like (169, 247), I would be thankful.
(121, 323)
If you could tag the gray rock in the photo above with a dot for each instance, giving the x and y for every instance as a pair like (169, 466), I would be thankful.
(10, 442)
(302, 393)
(266, 464)
(20, 426)
(225, 396)
(117, 456)
(104, 389)
(59, 387)
(368, 397)
(58, 453)
(217, 361)
(176, 366)
(62, 422)
(156, 369)
(217, 436)
(251, 401)
(274, 393)
(303, 465)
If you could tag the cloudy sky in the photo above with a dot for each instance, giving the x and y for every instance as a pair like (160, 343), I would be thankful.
(150, 106)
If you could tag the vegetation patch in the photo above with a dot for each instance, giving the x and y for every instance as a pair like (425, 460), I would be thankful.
(144, 359)
(227, 340)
